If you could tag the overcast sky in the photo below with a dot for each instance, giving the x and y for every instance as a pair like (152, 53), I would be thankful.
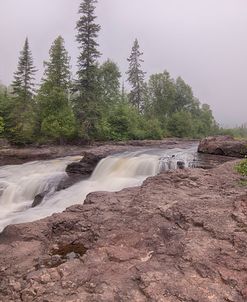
(204, 41)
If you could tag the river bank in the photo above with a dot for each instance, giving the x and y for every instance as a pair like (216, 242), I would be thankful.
(12, 155)
(181, 236)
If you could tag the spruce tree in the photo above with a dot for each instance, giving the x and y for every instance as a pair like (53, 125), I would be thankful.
(21, 119)
(23, 84)
(56, 120)
(87, 86)
(57, 69)
(136, 77)
(87, 34)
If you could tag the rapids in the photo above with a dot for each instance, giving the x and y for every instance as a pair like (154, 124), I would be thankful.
(19, 184)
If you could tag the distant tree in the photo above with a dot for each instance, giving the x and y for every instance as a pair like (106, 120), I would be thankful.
(23, 84)
(162, 94)
(87, 88)
(184, 96)
(109, 77)
(136, 77)
(57, 69)
(22, 119)
(55, 115)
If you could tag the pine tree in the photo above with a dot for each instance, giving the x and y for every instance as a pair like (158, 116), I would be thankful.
(136, 77)
(22, 119)
(23, 84)
(86, 37)
(57, 69)
(87, 88)
(56, 119)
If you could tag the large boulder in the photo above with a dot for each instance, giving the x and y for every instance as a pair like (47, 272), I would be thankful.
(86, 165)
(223, 145)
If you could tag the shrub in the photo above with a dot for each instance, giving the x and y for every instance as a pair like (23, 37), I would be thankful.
(242, 167)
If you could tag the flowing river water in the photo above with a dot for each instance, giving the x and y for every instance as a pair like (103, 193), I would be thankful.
(19, 184)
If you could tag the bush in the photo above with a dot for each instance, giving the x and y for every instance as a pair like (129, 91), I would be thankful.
(1, 125)
(242, 167)
(180, 124)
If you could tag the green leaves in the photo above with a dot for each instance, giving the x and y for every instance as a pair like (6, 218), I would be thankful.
(242, 167)
(56, 119)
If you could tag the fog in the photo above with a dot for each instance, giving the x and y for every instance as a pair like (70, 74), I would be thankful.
(204, 41)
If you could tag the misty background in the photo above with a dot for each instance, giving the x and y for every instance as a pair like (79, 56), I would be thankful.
(203, 41)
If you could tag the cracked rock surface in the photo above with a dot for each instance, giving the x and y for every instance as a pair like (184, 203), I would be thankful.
(181, 236)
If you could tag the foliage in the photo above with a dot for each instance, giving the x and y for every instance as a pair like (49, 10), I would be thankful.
(237, 132)
(87, 85)
(94, 107)
(57, 69)
(1, 125)
(136, 77)
(180, 124)
(60, 126)
(55, 117)
(162, 93)
(23, 85)
(109, 79)
(20, 128)
(242, 167)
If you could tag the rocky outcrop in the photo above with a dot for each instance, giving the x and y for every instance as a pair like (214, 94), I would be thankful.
(86, 165)
(223, 145)
(181, 236)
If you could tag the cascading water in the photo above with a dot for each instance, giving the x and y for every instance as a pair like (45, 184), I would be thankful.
(20, 184)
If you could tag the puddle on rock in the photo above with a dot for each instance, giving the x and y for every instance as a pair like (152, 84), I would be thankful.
(69, 251)
(61, 254)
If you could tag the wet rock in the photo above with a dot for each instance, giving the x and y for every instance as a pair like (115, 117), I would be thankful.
(180, 164)
(87, 164)
(223, 145)
(38, 199)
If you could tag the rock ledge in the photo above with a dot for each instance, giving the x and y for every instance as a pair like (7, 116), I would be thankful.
(181, 236)
(223, 145)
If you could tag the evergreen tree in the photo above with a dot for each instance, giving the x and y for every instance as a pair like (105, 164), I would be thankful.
(87, 86)
(86, 37)
(56, 119)
(21, 119)
(57, 69)
(136, 77)
(23, 84)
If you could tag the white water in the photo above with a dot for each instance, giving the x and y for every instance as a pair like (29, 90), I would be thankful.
(19, 184)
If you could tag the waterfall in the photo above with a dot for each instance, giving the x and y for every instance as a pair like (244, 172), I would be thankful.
(20, 184)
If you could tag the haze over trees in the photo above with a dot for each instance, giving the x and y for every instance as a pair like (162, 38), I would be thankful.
(92, 106)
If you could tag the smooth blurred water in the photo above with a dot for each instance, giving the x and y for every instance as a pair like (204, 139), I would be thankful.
(19, 184)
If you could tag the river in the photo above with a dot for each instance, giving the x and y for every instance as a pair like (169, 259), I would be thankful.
(19, 184)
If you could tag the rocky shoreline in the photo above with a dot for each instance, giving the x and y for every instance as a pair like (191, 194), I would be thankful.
(181, 236)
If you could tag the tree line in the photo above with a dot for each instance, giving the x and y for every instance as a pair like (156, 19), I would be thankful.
(94, 105)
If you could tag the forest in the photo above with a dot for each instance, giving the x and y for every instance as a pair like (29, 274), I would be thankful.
(95, 105)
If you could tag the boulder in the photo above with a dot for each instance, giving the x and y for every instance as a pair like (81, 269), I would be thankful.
(86, 165)
(223, 145)
(38, 199)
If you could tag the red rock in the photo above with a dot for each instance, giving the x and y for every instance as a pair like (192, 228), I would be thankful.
(169, 240)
